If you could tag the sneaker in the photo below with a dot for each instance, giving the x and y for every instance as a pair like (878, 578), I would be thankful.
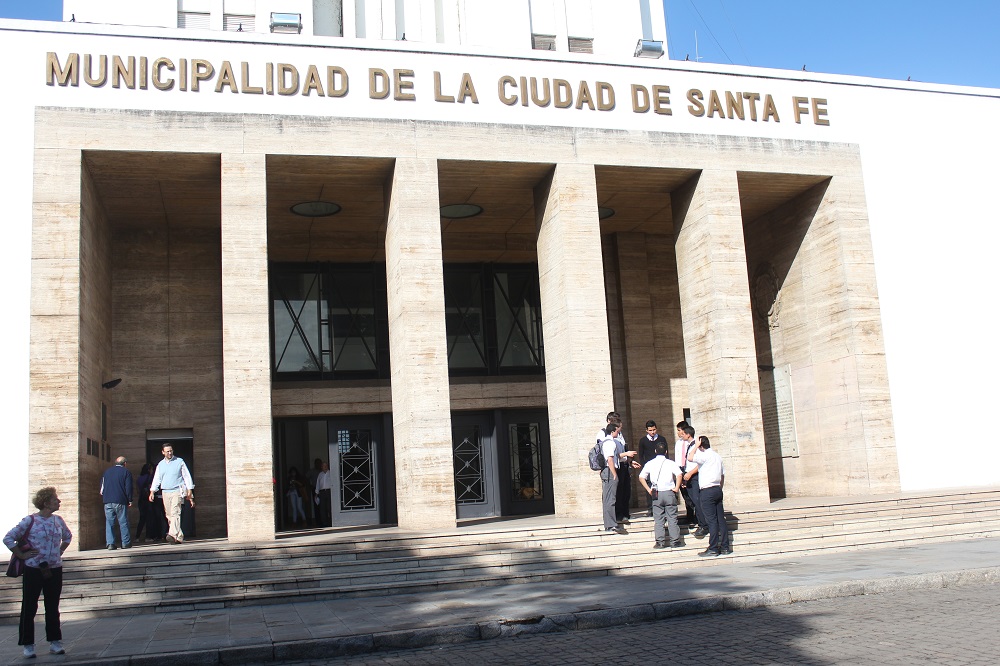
(29, 651)
(708, 552)
(658, 546)
(55, 647)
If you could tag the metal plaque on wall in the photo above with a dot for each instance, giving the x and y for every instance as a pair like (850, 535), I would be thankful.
(778, 408)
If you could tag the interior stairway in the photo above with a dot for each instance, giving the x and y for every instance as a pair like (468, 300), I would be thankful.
(383, 561)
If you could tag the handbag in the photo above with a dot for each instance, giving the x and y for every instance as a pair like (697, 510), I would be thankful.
(16, 567)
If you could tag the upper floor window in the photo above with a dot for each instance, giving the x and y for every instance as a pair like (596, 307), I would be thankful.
(493, 318)
(238, 22)
(194, 20)
(328, 321)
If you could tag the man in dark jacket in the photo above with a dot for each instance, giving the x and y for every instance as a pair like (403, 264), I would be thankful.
(647, 448)
(116, 490)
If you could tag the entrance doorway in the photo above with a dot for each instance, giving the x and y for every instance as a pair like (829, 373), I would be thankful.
(182, 441)
(360, 485)
(502, 462)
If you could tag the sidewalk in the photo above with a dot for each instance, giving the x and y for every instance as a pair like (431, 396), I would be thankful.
(330, 628)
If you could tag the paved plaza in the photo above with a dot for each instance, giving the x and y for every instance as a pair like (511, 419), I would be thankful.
(907, 603)
(955, 626)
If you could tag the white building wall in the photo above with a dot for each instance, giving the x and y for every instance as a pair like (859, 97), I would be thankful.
(928, 156)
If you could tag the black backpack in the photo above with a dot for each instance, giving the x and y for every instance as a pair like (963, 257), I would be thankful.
(596, 458)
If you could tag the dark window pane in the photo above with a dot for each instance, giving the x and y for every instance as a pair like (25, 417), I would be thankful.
(297, 310)
(525, 462)
(353, 321)
(518, 319)
(463, 304)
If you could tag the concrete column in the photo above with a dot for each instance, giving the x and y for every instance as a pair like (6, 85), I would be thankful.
(246, 358)
(718, 330)
(55, 434)
(575, 326)
(421, 406)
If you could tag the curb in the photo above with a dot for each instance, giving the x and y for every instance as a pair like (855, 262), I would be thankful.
(326, 648)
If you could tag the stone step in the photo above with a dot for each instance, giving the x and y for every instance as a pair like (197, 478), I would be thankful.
(340, 578)
(387, 562)
(144, 561)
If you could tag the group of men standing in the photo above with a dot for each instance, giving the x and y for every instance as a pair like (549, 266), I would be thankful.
(695, 473)
(172, 480)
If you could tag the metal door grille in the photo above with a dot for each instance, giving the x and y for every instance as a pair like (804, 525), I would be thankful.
(470, 482)
(357, 470)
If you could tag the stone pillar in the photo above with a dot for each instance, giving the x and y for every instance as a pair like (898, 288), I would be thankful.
(575, 326)
(421, 405)
(246, 357)
(718, 330)
(55, 438)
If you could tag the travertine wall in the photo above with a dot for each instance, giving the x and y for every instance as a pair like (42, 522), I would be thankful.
(167, 347)
(718, 332)
(246, 348)
(421, 413)
(95, 358)
(55, 439)
(575, 325)
(171, 349)
(825, 326)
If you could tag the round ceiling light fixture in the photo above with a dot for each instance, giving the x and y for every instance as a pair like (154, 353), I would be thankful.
(460, 211)
(316, 208)
(604, 212)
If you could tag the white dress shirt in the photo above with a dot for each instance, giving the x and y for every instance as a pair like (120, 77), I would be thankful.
(710, 468)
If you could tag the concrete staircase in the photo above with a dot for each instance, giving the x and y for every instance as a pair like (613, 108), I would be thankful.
(215, 574)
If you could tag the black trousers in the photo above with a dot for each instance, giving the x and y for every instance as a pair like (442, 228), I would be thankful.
(694, 492)
(718, 531)
(325, 508)
(623, 495)
(33, 584)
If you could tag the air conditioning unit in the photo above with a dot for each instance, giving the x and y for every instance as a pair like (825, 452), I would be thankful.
(286, 23)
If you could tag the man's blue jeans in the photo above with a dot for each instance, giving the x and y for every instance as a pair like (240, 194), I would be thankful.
(119, 512)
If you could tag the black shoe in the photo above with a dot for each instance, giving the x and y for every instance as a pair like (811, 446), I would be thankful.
(700, 533)
(624, 521)
(708, 552)
(620, 530)
(658, 546)
(112, 546)
(170, 539)
(128, 546)
(727, 551)
(677, 544)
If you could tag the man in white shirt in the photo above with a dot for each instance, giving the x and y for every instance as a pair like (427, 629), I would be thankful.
(686, 444)
(661, 477)
(322, 489)
(708, 466)
(609, 477)
(623, 462)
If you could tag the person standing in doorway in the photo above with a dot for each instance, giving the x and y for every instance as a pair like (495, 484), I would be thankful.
(116, 491)
(685, 445)
(173, 477)
(708, 465)
(146, 519)
(324, 485)
(313, 510)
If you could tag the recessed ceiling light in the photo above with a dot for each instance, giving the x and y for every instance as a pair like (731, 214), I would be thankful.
(460, 211)
(316, 208)
(604, 212)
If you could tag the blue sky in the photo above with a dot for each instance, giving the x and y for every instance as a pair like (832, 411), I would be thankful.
(928, 40)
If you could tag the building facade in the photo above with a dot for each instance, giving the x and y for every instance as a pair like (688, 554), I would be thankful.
(437, 268)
